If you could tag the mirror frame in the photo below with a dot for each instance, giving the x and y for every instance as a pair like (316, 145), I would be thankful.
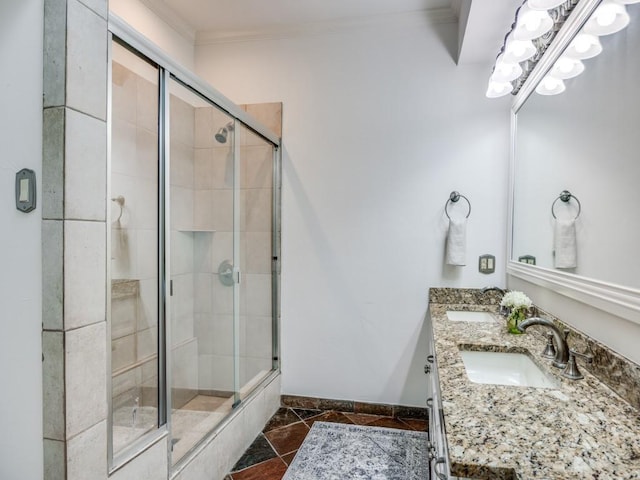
(615, 299)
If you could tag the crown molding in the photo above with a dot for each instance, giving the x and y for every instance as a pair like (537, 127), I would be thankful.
(406, 19)
(171, 18)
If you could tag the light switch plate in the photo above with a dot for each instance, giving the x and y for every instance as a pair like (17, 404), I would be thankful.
(487, 263)
(26, 190)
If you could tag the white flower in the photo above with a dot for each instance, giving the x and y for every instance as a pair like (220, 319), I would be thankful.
(515, 299)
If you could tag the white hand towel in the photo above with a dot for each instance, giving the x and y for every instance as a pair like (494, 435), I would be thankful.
(457, 242)
(565, 245)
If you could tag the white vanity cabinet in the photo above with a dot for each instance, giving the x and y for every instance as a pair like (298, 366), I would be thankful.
(439, 466)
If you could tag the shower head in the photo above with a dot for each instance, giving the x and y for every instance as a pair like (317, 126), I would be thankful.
(221, 135)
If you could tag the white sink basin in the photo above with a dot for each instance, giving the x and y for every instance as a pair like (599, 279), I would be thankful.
(500, 368)
(476, 317)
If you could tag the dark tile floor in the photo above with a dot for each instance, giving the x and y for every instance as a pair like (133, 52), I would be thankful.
(273, 450)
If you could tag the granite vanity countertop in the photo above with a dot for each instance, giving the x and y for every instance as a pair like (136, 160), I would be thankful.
(579, 430)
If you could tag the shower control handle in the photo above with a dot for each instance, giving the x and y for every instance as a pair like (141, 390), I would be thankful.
(225, 273)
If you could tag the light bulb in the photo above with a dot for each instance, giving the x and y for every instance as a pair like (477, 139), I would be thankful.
(532, 23)
(610, 17)
(584, 46)
(606, 17)
(566, 67)
(516, 51)
(550, 86)
(498, 89)
(505, 71)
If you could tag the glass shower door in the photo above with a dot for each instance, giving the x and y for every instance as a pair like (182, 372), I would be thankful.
(256, 350)
(203, 326)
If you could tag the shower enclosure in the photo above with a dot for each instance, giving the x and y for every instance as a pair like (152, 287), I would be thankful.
(194, 242)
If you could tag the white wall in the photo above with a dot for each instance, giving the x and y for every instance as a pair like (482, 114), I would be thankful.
(20, 279)
(140, 17)
(379, 127)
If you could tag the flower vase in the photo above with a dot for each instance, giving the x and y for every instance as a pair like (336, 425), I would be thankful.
(516, 316)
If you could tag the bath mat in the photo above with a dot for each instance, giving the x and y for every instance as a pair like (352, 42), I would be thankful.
(335, 451)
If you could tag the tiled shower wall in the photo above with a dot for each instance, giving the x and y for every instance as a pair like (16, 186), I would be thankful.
(74, 268)
(214, 212)
(133, 241)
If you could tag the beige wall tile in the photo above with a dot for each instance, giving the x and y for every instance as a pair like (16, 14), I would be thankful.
(147, 253)
(53, 386)
(215, 372)
(257, 166)
(55, 49)
(269, 114)
(123, 316)
(124, 93)
(203, 290)
(84, 273)
(52, 274)
(123, 352)
(203, 168)
(146, 343)
(221, 249)
(259, 332)
(222, 210)
(202, 249)
(147, 105)
(182, 165)
(202, 209)
(203, 128)
(54, 459)
(146, 159)
(86, 453)
(86, 60)
(258, 294)
(85, 373)
(85, 167)
(53, 163)
(123, 148)
(182, 252)
(184, 373)
(182, 208)
(151, 465)
(148, 303)
(258, 252)
(258, 208)
(182, 121)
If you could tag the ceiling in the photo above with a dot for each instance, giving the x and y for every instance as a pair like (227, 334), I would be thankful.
(484, 22)
(251, 14)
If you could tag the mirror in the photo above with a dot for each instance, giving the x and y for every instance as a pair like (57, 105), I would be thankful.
(587, 141)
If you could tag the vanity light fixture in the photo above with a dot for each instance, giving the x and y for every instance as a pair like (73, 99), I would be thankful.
(536, 25)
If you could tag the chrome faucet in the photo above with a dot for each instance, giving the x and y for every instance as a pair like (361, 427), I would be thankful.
(497, 289)
(562, 349)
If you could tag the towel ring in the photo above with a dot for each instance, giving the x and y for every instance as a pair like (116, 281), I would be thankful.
(565, 196)
(453, 198)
